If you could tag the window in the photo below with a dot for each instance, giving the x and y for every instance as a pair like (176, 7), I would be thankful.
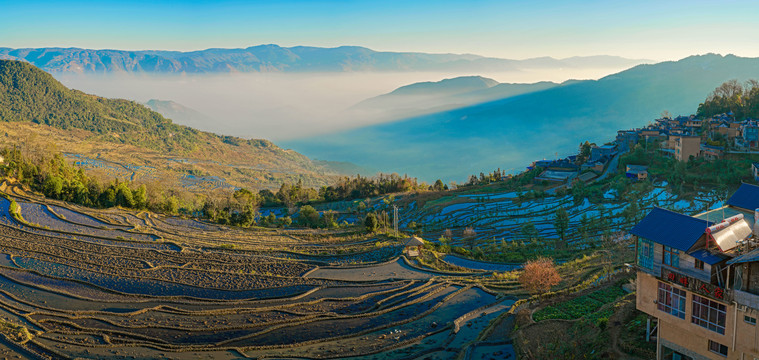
(708, 314)
(749, 319)
(646, 253)
(718, 348)
(669, 354)
(671, 300)
(699, 264)
(671, 257)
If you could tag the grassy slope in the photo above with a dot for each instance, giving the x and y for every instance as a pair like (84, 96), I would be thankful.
(32, 102)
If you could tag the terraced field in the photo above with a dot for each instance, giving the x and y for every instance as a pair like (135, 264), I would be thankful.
(499, 216)
(83, 283)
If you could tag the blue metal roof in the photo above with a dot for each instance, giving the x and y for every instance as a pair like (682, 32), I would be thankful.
(670, 228)
(750, 256)
(746, 197)
(707, 257)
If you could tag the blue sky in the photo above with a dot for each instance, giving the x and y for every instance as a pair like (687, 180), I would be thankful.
(656, 30)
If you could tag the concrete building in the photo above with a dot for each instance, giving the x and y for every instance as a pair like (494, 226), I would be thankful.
(626, 140)
(698, 280)
(687, 146)
(597, 152)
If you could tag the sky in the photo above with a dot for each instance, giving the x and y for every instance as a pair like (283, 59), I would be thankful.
(657, 30)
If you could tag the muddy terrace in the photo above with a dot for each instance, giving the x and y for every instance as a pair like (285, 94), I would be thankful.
(82, 283)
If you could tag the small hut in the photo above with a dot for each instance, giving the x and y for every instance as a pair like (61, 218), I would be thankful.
(414, 245)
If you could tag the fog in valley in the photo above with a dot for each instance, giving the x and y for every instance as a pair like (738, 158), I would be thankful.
(284, 106)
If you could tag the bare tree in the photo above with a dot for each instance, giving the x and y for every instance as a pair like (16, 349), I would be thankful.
(539, 275)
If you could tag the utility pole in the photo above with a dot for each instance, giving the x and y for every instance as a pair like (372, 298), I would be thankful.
(395, 219)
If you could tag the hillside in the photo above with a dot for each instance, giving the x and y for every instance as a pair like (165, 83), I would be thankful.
(428, 97)
(512, 132)
(181, 114)
(274, 58)
(127, 135)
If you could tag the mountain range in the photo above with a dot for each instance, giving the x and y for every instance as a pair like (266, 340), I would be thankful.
(511, 132)
(274, 58)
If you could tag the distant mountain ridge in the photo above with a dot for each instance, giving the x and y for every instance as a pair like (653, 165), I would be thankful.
(274, 58)
(511, 132)
(427, 97)
(446, 86)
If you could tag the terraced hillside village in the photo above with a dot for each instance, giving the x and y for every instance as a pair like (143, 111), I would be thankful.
(307, 276)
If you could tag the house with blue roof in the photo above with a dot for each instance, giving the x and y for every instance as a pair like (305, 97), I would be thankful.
(698, 279)
(745, 198)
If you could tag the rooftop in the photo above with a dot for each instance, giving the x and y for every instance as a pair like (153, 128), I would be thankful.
(717, 215)
(750, 256)
(746, 197)
(707, 257)
(671, 229)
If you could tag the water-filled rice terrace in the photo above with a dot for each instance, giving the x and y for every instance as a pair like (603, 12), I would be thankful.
(497, 216)
(84, 283)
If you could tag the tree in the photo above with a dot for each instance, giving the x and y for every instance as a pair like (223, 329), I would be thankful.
(308, 216)
(469, 235)
(371, 222)
(140, 197)
(584, 154)
(124, 196)
(172, 205)
(54, 187)
(439, 186)
(539, 275)
(561, 224)
(329, 219)
(529, 231)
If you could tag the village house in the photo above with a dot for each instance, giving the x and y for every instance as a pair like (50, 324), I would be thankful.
(728, 131)
(698, 279)
(626, 140)
(693, 123)
(636, 172)
(597, 152)
(712, 152)
(750, 133)
(652, 134)
(687, 147)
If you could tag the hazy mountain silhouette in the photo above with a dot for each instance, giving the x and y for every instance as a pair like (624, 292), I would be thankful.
(428, 97)
(511, 132)
(265, 58)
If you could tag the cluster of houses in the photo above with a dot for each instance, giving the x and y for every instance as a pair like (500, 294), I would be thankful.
(682, 137)
(569, 169)
(687, 136)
